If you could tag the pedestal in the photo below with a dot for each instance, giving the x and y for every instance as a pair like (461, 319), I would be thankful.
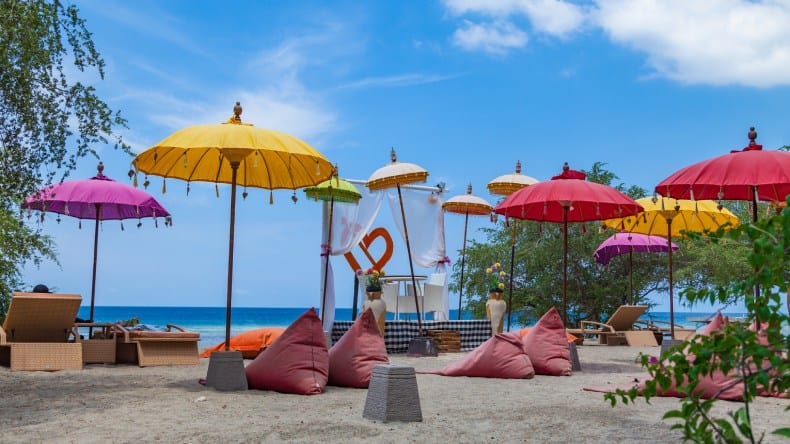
(666, 344)
(226, 371)
(496, 309)
(576, 365)
(393, 395)
(378, 307)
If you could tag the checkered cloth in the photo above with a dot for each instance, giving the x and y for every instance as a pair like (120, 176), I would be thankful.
(397, 334)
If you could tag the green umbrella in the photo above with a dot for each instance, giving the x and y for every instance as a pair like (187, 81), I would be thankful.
(332, 190)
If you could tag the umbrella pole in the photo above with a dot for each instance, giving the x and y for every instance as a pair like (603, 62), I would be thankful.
(327, 252)
(234, 166)
(631, 274)
(756, 287)
(463, 256)
(671, 296)
(411, 265)
(512, 263)
(95, 255)
(565, 265)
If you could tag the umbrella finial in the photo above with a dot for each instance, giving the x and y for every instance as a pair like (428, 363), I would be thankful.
(565, 167)
(393, 157)
(100, 168)
(518, 167)
(237, 112)
(469, 188)
(752, 136)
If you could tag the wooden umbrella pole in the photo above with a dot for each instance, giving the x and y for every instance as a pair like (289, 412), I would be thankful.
(671, 296)
(411, 265)
(756, 268)
(631, 274)
(512, 262)
(327, 251)
(565, 265)
(95, 256)
(234, 166)
(463, 257)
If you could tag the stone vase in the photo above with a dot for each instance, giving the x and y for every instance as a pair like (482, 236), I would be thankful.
(495, 310)
(379, 308)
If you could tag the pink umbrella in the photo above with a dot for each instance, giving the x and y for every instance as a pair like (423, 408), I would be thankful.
(98, 198)
(621, 243)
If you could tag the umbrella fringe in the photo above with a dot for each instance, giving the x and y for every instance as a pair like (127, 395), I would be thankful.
(271, 197)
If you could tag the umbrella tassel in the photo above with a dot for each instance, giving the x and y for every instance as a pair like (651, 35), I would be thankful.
(122, 226)
(134, 181)
(294, 198)
(156, 223)
(164, 186)
(146, 182)
(139, 223)
(216, 190)
(187, 188)
(244, 194)
(79, 225)
(57, 219)
(271, 197)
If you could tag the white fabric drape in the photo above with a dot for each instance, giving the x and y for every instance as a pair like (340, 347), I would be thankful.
(350, 222)
(425, 223)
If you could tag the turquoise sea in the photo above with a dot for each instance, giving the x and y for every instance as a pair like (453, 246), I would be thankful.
(210, 321)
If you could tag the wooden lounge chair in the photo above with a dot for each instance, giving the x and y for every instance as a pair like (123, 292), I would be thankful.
(37, 332)
(619, 328)
(153, 348)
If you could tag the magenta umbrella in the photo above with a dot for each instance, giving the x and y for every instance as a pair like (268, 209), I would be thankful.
(621, 243)
(98, 198)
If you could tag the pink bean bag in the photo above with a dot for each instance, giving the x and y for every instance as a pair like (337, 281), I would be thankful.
(546, 344)
(501, 356)
(352, 358)
(297, 362)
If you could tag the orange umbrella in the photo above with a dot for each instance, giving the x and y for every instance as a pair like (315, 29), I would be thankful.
(397, 174)
(466, 204)
(506, 185)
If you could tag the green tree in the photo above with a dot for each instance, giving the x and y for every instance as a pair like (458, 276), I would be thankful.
(47, 120)
(755, 359)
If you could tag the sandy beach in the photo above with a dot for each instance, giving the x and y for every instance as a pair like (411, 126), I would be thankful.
(126, 403)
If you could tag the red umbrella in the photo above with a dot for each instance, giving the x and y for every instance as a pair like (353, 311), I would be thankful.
(565, 198)
(749, 174)
(98, 198)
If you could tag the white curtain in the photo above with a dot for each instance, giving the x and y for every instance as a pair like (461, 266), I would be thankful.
(350, 222)
(425, 223)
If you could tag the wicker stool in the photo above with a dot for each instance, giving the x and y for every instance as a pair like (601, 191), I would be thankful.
(393, 395)
(226, 371)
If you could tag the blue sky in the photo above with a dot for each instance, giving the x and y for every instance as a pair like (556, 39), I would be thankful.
(463, 88)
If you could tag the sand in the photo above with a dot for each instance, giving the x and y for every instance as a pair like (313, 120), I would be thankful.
(166, 404)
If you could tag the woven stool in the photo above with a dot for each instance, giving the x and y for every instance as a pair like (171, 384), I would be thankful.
(226, 371)
(576, 365)
(393, 395)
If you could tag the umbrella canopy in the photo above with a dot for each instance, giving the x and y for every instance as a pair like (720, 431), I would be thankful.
(396, 174)
(568, 197)
(466, 204)
(622, 243)
(750, 174)
(507, 184)
(332, 190)
(672, 218)
(235, 153)
(98, 198)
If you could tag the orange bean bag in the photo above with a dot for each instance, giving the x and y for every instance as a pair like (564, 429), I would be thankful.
(523, 332)
(501, 356)
(352, 358)
(546, 345)
(250, 343)
(297, 362)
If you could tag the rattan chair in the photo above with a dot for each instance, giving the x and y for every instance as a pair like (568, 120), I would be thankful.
(39, 334)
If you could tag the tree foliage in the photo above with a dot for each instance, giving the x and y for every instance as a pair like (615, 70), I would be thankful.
(47, 120)
(755, 358)
(594, 291)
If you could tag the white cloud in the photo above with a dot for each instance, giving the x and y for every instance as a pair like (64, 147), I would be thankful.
(554, 17)
(494, 38)
(395, 81)
(716, 42)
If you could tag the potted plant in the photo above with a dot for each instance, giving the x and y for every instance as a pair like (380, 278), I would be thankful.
(373, 287)
(495, 279)
(372, 279)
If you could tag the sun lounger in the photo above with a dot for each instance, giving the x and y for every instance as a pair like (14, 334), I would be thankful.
(98, 347)
(154, 348)
(613, 331)
(38, 332)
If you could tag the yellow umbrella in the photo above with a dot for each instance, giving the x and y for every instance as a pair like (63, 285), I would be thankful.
(236, 153)
(466, 204)
(506, 185)
(671, 218)
(396, 174)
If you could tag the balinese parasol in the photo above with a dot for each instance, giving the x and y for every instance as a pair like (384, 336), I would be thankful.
(466, 204)
(671, 218)
(565, 198)
(506, 185)
(235, 153)
(98, 198)
(622, 243)
(331, 191)
(749, 174)
(396, 174)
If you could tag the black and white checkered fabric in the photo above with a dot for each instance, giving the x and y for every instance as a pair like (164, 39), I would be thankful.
(397, 334)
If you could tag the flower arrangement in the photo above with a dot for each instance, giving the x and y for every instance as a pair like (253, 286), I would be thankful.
(372, 278)
(495, 278)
